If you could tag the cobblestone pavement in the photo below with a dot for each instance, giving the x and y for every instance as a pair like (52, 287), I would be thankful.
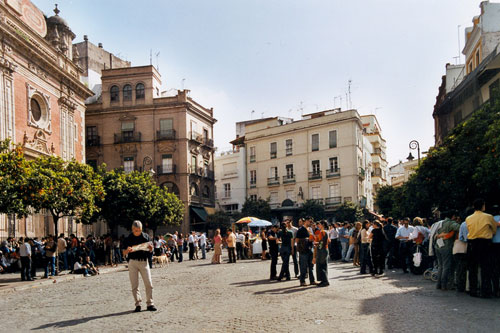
(200, 297)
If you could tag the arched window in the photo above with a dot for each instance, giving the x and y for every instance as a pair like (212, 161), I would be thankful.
(127, 92)
(194, 190)
(139, 91)
(172, 188)
(114, 94)
(206, 192)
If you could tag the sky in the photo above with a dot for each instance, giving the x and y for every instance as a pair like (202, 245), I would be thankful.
(289, 57)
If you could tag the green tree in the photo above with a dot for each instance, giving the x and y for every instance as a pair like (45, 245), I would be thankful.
(258, 208)
(313, 209)
(64, 188)
(14, 173)
(135, 196)
(348, 212)
(220, 220)
(384, 200)
(452, 175)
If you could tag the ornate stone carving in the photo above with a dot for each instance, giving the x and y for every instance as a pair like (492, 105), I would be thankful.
(38, 143)
(127, 117)
(67, 102)
(45, 122)
(128, 149)
(38, 71)
(7, 66)
(166, 147)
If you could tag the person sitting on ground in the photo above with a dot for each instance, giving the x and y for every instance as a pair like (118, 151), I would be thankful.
(91, 268)
(78, 268)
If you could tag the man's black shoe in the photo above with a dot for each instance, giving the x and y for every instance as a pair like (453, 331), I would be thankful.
(152, 308)
(137, 308)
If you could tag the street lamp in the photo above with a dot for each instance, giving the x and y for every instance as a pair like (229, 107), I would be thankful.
(414, 145)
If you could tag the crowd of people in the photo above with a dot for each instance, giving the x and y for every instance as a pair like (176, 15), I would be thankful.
(454, 248)
(51, 255)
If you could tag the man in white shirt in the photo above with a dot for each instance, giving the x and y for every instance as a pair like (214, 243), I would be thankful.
(240, 240)
(294, 250)
(25, 254)
(191, 241)
(403, 234)
(203, 245)
(333, 234)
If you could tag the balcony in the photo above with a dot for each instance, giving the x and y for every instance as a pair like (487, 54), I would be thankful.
(196, 171)
(93, 141)
(274, 205)
(166, 170)
(196, 199)
(273, 181)
(273, 154)
(362, 173)
(208, 201)
(288, 179)
(125, 137)
(197, 137)
(208, 142)
(209, 174)
(253, 185)
(333, 201)
(377, 172)
(289, 151)
(318, 201)
(252, 158)
(165, 135)
(315, 175)
(226, 195)
(333, 173)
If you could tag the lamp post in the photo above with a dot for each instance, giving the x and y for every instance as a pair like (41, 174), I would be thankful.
(414, 145)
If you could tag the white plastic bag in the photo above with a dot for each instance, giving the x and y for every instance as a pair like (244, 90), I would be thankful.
(417, 258)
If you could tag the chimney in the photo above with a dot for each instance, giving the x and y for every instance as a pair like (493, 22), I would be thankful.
(100, 45)
(85, 38)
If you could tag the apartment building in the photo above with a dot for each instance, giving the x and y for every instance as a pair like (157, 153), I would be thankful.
(319, 157)
(379, 170)
(134, 126)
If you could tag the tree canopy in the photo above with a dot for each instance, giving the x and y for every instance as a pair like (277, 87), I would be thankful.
(466, 166)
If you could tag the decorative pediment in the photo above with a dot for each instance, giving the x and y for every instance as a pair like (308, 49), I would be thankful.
(38, 143)
(127, 117)
(128, 149)
(166, 147)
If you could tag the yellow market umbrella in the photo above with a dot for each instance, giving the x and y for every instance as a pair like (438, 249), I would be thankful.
(247, 219)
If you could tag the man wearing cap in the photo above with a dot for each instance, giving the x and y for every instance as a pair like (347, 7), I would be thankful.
(138, 263)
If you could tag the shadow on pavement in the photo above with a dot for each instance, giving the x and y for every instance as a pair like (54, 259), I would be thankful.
(74, 322)
(287, 290)
(252, 283)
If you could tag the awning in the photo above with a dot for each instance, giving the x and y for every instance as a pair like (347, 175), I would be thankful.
(210, 210)
(200, 212)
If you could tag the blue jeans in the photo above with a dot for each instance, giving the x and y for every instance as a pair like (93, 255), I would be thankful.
(51, 261)
(344, 246)
(306, 266)
(118, 256)
(180, 250)
(64, 257)
(203, 251)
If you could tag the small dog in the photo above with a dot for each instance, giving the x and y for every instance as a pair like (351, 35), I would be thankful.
(161, 260)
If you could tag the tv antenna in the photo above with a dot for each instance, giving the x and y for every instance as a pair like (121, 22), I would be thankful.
(349, 93)
(157, 63)
(251, 114)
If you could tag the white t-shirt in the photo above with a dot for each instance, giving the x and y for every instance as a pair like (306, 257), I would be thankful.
(203, 240)
(77, 266)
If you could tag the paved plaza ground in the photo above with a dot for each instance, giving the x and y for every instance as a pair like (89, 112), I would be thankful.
(200, 297)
